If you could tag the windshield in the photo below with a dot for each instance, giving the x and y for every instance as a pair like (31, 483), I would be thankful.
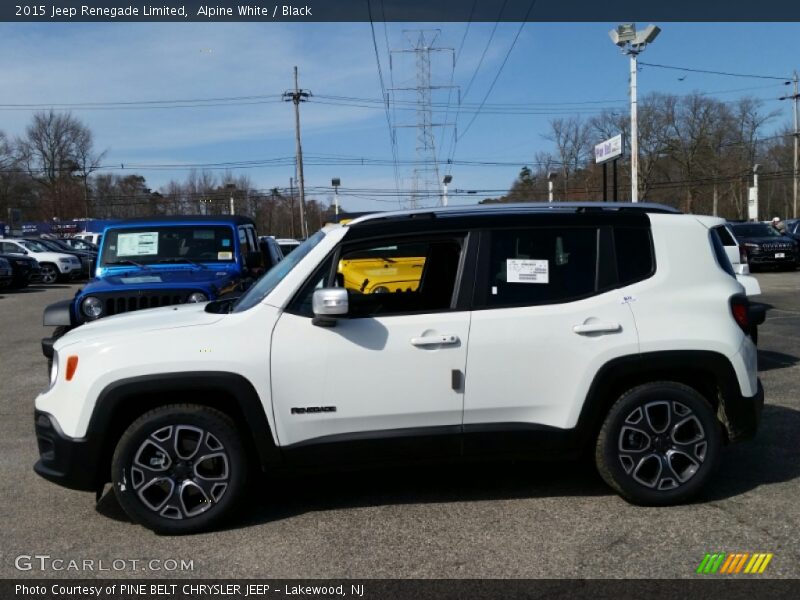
(34, 246)
(274, 276)
(166, 244)
(755, 230)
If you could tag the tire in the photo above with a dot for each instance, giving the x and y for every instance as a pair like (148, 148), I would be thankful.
(659, 444)
(176, 498)
(50, 273)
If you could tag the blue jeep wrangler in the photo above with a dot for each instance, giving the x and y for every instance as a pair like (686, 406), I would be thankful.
(160, 261)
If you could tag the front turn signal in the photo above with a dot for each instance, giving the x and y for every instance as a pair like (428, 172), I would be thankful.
(72, 366)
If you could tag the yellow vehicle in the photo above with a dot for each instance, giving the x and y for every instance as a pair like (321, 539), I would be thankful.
(383, 270)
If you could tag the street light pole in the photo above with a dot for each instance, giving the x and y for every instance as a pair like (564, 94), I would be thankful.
(551, 176)
(336, 182)
(633, 43)
(445, 182)
(634, 131)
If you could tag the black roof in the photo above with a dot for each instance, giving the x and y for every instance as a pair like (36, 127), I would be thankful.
(505, 215)
(234, 219)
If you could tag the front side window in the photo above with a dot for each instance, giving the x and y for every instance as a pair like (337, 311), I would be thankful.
(34, 246)
(160, 244)
(541, 266)
(389, 277)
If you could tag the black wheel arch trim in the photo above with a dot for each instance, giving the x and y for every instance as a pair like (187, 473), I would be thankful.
(59, 313)
(248, 411)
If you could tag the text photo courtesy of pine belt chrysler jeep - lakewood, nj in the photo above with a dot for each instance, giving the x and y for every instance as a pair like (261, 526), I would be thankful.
(501, 331)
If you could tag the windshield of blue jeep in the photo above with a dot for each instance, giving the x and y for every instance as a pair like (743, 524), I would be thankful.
(273, 277)
(151, 245)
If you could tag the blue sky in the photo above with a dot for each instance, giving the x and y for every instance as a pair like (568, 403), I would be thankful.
(551, 63)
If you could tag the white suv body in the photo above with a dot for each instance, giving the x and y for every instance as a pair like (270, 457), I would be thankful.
(54, 265)
(528, 331)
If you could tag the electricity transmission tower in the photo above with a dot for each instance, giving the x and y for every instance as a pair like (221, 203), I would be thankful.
(426, 187)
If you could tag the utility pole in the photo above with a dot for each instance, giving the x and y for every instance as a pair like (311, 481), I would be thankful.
(796, 134)
(297, 96)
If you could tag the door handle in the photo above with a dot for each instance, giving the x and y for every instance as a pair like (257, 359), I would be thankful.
(597, 328)
(435, 340)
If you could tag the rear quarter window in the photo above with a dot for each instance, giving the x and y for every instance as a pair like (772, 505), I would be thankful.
(719, 252)
(633, 247)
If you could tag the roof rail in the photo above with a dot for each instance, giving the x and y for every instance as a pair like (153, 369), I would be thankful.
(520, 207)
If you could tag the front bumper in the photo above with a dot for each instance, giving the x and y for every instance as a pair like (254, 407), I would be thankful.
(69, 462)
(742, 415)
(768, 258)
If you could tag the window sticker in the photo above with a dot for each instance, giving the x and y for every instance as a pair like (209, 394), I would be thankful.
(141, 243)
(226, 243)
(203, 234)
(527, 271)
(224, 255)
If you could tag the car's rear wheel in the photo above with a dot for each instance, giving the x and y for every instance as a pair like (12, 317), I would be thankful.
(179, 469)
(659, 444)
(50, 273)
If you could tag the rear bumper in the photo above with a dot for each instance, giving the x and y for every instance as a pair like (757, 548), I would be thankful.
(69, 462)
(742, 414)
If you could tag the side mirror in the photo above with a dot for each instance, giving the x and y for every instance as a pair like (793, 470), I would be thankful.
(328, 305)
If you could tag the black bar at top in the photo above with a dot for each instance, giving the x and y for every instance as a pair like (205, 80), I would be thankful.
(402, 10)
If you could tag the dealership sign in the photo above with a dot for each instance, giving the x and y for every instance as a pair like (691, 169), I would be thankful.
(608, 150)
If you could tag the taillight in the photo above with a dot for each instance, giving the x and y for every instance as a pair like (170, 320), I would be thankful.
(740, 309)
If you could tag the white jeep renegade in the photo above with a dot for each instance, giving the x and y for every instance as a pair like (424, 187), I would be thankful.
(509, 331)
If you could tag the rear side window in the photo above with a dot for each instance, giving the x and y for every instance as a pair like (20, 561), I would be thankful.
(634, 250)
(541, 266)
(719, 252)
(724, 236)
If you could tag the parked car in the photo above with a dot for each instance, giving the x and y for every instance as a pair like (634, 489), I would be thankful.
(6, 275)
(88, 259)
(530, 331)
(79, 244)
(765, 246)
(54, 266)
(145, 263)
(24, 269)
(88, 236)
(270, 250)
(287, 244)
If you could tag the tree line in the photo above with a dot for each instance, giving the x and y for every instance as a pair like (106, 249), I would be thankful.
(53, 172)
(696, 153)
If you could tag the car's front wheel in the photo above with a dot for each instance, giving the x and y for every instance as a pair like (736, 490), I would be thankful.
(50, 273)
(179, 469)
(659, 444)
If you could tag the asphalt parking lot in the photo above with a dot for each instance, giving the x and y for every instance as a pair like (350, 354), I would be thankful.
(488, 521)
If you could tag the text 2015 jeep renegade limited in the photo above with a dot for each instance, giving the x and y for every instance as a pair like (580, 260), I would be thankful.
(529, 330)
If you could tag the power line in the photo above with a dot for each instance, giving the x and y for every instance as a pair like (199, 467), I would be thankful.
(383, 92)
(502, 66)
(710, 72)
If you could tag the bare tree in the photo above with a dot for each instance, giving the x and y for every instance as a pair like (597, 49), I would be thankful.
(55, 146)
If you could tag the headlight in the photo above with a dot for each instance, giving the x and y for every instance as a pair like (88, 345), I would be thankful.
(381, 289)
(92, 307)
(197, 297)
(754, 248)
(65, 261)
(54, 370)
